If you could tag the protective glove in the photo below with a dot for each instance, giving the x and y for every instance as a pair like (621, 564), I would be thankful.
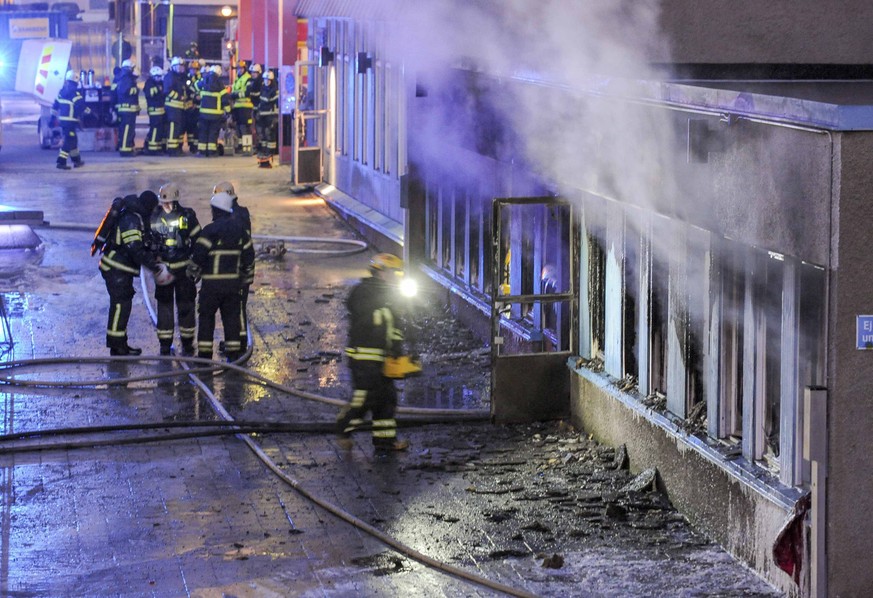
(193, 271)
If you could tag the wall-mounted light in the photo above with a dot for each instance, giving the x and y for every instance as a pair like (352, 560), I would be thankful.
(226, 11)
(365, 61)
(326, 57)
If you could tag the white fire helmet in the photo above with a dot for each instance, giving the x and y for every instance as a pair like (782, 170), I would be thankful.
(222, 201)
(72, 76)
(269, 75)
(224, 187)
(255, 68)
(128, 64)
(169, 193)
(156, 71)
(217, 70)
(177, 61)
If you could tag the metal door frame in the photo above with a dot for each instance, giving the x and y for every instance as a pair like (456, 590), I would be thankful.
(543, 373)
(312, 120)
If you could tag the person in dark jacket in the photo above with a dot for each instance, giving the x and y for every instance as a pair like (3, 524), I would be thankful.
(68, 109)
(375, 332)
(127, 107)
(268, 120)
(155, 100)
(176, 100)
(214, 110)
(222, 257)
(174, 230)
(125, 254)
(242, 213)
(253, 90)
(193, 83)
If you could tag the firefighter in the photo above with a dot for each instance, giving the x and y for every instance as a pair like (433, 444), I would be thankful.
(375, 332)
(242, 214)
(222, 257)
(192, 105)
(174, 230)
(127, 107)
(176, 94)
(155, 100)
(253, 90)
(68, 109)
(268, 120)
(242, 108)
(125, 254)
(214, 110)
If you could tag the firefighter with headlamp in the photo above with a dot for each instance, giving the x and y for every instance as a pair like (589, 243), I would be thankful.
(375, 343)
(174, 229)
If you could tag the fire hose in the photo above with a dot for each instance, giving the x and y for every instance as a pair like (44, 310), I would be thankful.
(243, 429)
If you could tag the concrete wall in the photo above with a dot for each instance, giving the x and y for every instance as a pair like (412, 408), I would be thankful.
(850, 383)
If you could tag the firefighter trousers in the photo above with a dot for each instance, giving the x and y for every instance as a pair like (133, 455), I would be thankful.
(218, 296)
(182, 293)
(70, 146)
(126, 133)
(375, 393)
(120, 287)
(175, 129)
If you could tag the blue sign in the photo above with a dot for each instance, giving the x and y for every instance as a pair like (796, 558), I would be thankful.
(865, 332)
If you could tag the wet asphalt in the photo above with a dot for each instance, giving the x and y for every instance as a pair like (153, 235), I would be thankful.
(538, 508)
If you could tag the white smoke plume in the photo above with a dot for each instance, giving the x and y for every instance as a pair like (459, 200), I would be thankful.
(575, 131)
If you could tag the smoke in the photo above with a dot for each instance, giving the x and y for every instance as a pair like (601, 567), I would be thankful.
(569, 122)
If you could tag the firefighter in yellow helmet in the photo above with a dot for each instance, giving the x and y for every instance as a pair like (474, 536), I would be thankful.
(375, 333)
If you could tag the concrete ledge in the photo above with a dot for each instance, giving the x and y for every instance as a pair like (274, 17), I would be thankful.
(737, 504)
(10, 215)
(378, 229)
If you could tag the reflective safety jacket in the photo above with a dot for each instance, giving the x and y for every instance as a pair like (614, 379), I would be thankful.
(224, 250)
(126, 250)
(239, 92)
(154, 96)
(374, 330)
(214, 99)
(253, 90)
(127, 93)
(69, 107)
(176, 90)
(268, 103)
(192, 84)
(174, 234)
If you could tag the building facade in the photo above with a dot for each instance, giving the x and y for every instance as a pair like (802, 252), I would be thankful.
(682, 227)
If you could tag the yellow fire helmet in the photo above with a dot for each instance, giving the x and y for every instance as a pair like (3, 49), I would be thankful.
(386, 261)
